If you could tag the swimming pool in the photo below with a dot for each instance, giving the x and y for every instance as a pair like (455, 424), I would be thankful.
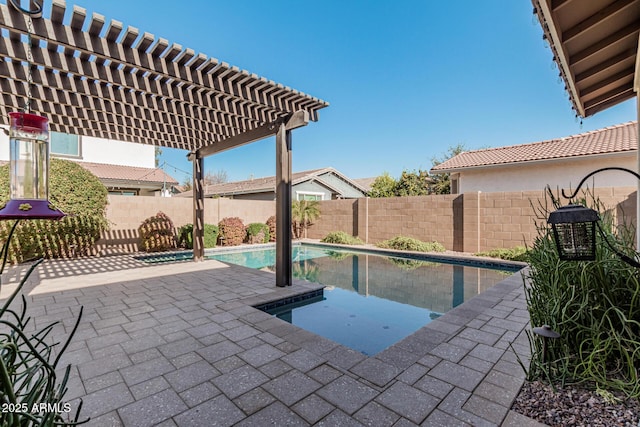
(370, 301)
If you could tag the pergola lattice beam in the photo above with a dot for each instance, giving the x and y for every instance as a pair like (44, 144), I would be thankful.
(94, 78)
(88, 63)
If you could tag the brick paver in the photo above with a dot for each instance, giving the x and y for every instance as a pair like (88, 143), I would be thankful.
(182, 345)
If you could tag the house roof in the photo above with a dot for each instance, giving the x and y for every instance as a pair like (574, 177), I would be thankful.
(268, 184)
(365, 183)
(595, 44)
(130, 174)
(614, 139)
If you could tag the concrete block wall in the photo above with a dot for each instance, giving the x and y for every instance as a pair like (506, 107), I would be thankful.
(126, 213)
(469, 222)
(336, 215)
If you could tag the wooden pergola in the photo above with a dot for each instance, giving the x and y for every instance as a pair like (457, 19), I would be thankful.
(95, 78)
(596, 44)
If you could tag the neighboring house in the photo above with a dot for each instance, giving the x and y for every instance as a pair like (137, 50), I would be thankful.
(559, 163)
(318, 184)
(365, 183)
(123, 167)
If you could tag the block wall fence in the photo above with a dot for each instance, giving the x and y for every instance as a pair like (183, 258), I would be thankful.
(126, 213)
(469, 222)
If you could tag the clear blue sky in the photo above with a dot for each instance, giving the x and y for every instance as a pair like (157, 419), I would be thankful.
(405, 79)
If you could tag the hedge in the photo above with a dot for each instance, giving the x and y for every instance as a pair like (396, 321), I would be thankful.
(75, 191)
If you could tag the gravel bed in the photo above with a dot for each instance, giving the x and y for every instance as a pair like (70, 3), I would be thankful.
(576, 406)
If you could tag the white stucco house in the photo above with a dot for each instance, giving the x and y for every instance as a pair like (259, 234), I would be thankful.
(561, 162)
(125, 168)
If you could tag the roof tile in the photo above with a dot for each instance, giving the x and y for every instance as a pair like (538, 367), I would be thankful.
(613, 139)
(128, 173)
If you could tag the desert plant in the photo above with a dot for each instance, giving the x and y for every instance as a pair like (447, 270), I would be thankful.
(271, 223)
(594, 305)
(31, 391)
(185, 236)
(519, 253)
(403, 243)
(303, 213)
(157, 233)
(75, 191)
(341, 238)
(210, 235)
(232, 231)
(257, 232)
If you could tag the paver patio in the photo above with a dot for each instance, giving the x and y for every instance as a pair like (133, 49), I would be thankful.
(181, 345)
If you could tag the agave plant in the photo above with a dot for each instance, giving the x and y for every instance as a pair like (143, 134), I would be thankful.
(31, 393)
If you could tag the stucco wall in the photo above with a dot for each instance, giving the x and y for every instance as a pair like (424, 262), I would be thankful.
(469, 222)
(108, 151)
(126, 213)
(559, 173)
(117, 153)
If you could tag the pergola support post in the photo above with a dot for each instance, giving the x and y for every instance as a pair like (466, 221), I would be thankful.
(283, 207)
(198, 206)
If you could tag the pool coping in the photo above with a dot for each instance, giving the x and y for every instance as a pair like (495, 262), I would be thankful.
(460, 369)
(472, 260)
(463, 367)
(475, 351)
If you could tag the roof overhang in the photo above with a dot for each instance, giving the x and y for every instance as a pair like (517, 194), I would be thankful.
(554, 160)
(595, 44)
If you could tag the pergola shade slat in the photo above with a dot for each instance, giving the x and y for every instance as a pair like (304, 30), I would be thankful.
(595, 44)
(96, 79)
(121, 84)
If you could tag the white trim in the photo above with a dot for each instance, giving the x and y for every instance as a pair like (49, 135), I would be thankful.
(311, 193)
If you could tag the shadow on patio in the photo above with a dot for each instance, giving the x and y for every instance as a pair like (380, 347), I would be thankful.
(181, 344)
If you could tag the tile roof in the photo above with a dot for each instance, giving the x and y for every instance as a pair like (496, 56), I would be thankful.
(614, 139)
(131, 174)
(365, 183)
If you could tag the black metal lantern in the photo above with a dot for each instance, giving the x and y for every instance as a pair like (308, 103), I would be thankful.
(574, 231)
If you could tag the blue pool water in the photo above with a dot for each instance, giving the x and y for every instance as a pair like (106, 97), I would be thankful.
(370, 301)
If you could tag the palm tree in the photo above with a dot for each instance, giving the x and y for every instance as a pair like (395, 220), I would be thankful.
(303, 213)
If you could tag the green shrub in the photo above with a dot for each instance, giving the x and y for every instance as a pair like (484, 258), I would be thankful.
(271, 223)
(594, 305)
(185, 236)
(157, 233)
(75, 191)
(410, 264)
(210, 235)
(403, 243)
(232, 231)
(257, 232)
(341, 238)
(519, 253)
